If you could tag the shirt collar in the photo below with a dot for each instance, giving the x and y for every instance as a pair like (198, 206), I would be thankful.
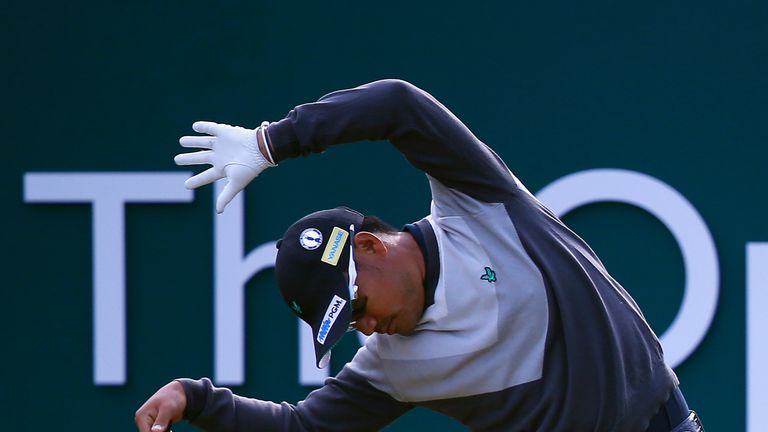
(425, 237)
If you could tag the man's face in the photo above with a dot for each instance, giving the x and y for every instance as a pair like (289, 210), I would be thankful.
(390, 299)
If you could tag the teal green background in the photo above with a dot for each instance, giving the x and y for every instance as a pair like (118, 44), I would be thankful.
(676, 90)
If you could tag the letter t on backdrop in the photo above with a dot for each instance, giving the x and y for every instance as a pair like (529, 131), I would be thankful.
(108, 193)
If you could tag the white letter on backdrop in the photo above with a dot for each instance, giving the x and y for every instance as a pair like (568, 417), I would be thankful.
(757, 324)
(232, 272)
(108, 193)
(683, 221)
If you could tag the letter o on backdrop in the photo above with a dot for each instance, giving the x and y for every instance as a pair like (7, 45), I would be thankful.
(702, 272)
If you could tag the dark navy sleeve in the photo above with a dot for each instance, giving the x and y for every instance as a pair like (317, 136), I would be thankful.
(344, 403)
(424, 130)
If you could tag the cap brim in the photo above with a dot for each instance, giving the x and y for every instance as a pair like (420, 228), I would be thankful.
(337, 331)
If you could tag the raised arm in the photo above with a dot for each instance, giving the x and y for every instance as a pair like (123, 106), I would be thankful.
(424, 130)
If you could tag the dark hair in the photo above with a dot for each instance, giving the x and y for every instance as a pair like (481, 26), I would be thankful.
(374, 224)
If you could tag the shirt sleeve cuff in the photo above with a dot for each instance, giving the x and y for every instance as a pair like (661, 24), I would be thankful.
(282, 137)
(196, 392)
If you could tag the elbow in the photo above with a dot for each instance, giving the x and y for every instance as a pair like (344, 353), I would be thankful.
(397, 88)
(400, 96)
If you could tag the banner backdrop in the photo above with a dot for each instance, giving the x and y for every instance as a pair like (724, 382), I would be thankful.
(642, 125)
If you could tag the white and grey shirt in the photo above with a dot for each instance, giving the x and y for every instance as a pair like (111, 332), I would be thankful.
(525, 329)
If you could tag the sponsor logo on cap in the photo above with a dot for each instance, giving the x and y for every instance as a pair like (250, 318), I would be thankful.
(334, 308)
(311, 238)
(335, 246)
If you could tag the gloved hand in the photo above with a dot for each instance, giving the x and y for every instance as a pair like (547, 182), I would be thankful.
(232, 150)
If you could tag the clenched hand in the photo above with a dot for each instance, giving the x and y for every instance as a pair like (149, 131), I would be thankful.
(164, 407)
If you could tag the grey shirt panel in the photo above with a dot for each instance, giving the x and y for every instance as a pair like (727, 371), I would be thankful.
(474, 325)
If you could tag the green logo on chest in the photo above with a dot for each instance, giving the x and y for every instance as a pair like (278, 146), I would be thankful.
(296, 308)
(489, 275)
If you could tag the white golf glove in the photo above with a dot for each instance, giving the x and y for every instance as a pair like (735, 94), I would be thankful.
(232, 150)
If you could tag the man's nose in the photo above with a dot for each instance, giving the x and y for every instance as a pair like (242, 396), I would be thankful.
(366, 325)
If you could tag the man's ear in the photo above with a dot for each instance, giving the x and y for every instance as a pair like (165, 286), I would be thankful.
(368, 242)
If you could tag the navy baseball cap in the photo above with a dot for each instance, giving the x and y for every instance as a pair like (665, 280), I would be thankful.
(314, 260)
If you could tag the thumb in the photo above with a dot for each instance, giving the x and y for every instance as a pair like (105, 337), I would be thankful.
(238, 177)
(161, 424)
(226, 195)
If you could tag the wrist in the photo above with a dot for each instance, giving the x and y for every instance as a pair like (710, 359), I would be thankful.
(195, 396)
(262, 140)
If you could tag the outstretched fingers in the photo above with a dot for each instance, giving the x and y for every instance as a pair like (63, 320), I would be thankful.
(203, 142)
(196, 158)
(208, 127)
(206, 177)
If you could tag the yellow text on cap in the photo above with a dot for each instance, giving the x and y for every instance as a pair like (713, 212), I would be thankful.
(335, 246)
